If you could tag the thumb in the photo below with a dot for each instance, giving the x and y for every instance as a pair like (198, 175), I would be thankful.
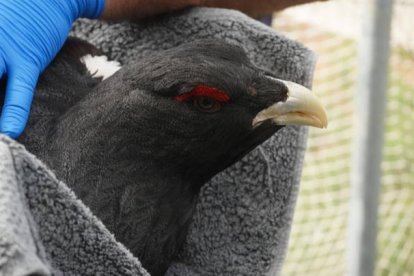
(19, 96)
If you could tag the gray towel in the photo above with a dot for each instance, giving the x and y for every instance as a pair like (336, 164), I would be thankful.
(243, 217)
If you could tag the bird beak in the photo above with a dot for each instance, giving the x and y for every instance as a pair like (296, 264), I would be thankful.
(300, 108)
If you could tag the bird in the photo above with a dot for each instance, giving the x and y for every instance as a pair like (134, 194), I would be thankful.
(137, 142)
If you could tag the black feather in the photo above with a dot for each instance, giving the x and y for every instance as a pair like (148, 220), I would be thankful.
(132, 153)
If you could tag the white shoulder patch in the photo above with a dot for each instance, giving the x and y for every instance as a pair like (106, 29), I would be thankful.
(100, 66)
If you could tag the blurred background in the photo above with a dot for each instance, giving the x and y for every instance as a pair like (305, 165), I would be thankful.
(319, 239)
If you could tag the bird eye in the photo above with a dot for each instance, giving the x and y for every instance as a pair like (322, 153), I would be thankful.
(206, 104)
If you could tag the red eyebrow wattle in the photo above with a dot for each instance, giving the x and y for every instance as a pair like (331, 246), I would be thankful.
(203, 91)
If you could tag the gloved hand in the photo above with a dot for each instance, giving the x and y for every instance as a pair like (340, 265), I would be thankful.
(31, 34)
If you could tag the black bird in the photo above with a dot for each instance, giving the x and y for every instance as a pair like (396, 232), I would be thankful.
(137, 147)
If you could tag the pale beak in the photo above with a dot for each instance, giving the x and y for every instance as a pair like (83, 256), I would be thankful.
(300, 108)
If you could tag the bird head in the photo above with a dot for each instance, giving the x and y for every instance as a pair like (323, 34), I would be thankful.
(188, 112)
(198, 108)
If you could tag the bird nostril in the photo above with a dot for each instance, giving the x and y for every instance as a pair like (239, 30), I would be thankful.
(252, 91)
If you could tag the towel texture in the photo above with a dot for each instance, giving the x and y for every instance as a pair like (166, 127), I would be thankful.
(45, 229)
(243, 217)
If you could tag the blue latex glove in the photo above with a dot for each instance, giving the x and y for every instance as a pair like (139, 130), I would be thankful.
(31, 34)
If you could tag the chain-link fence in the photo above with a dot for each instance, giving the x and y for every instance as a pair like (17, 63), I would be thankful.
(318, 244)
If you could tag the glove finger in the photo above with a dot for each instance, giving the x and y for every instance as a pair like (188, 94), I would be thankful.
(2, 68)
(2, 81)
(19, 96)
(2, 78)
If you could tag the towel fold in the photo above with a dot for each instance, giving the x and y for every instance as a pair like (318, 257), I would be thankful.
(243, 217)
